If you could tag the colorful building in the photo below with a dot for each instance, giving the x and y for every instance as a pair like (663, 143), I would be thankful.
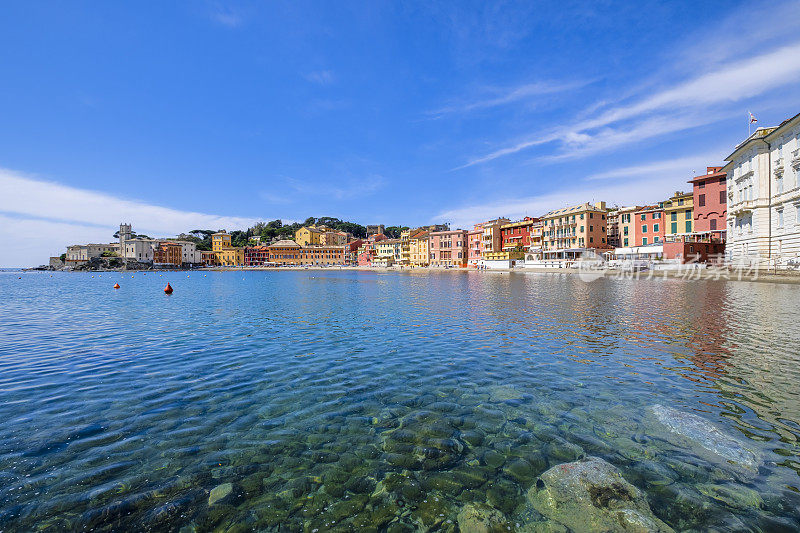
(208, 258)
(333, 238)
(230, 257)
(648, 225)
(572, 230)
(448, 248)
(220, 240)
(517, 235)
(256, 255)
(419, 249)
(285, 252)
(389, 248)
(710, 201)
(167, 254)
(475, 245)
(679, 217)
(405, 247)
(492, 240)
(308, 236)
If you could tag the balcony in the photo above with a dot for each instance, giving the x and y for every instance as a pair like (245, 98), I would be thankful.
(742, 208)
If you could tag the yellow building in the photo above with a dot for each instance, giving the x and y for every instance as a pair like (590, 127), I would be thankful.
(574, 228)
(226, 254)
(389, 248)
(219, 241)
(679, 216)
(231, 256)
(405, 247)
(308, 236)
(419, 248)
(333, 238)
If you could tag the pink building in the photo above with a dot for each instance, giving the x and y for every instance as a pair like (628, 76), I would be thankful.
(449, 248)
(710, 203)
(475, 245)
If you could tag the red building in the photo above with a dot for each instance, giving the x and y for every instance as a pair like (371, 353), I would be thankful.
(256, 255)
(167, 254)
(710, 203)
(695, 252)
(516, 235)
(648, 225)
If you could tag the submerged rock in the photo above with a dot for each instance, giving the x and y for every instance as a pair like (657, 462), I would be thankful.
(706, 434)
(220, 492)
(591, 495)
(480, 518)
(504, 393)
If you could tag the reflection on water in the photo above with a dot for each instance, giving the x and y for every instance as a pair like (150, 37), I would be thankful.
(357, 401)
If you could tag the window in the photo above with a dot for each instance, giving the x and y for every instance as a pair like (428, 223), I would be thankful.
(644, 241)
(655, 228)
(673, 227)
(655, 239)
(673, 216)
(779, 185)
(722, 199)
(701, 185)
(644, 228)
(688, 226)
(701, 200)
(780, 218)
(644, 217)
(625, 230)
(712, 224)
(591, 239)
(797, 213)
(625, 241)
(591, 228)
(656, 216)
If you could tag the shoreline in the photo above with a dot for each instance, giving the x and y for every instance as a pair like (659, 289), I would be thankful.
(785, 277)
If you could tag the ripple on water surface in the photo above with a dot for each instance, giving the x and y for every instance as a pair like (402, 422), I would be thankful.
(399, 402)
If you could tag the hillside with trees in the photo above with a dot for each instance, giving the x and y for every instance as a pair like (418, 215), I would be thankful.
(268, 231)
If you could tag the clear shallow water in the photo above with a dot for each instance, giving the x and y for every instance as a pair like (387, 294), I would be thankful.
(358, 401)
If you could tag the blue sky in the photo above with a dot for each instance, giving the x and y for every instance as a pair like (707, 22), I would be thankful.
(179, 115)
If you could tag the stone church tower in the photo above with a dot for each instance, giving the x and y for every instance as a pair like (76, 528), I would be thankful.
(124, 235)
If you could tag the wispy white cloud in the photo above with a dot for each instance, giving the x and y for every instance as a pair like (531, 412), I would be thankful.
(225, 15)
(75, 215)
(680, 167)
(321, 77)
(496, 96)
(697, 101)
(654, 187)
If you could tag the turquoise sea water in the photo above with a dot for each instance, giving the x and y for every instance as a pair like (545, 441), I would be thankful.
(336, 400)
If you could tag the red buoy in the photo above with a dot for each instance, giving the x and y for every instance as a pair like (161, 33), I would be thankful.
(116, 285)
(168, 288)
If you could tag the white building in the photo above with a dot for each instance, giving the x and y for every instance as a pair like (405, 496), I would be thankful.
(764, 197)
(79, 254)
(189, 253)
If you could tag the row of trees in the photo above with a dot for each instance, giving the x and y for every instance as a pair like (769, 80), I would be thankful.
(277, 229)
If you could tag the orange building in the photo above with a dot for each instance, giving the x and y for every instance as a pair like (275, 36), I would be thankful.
(168, 254)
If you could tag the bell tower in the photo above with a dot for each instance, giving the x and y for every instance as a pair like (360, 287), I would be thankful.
(124, 235)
